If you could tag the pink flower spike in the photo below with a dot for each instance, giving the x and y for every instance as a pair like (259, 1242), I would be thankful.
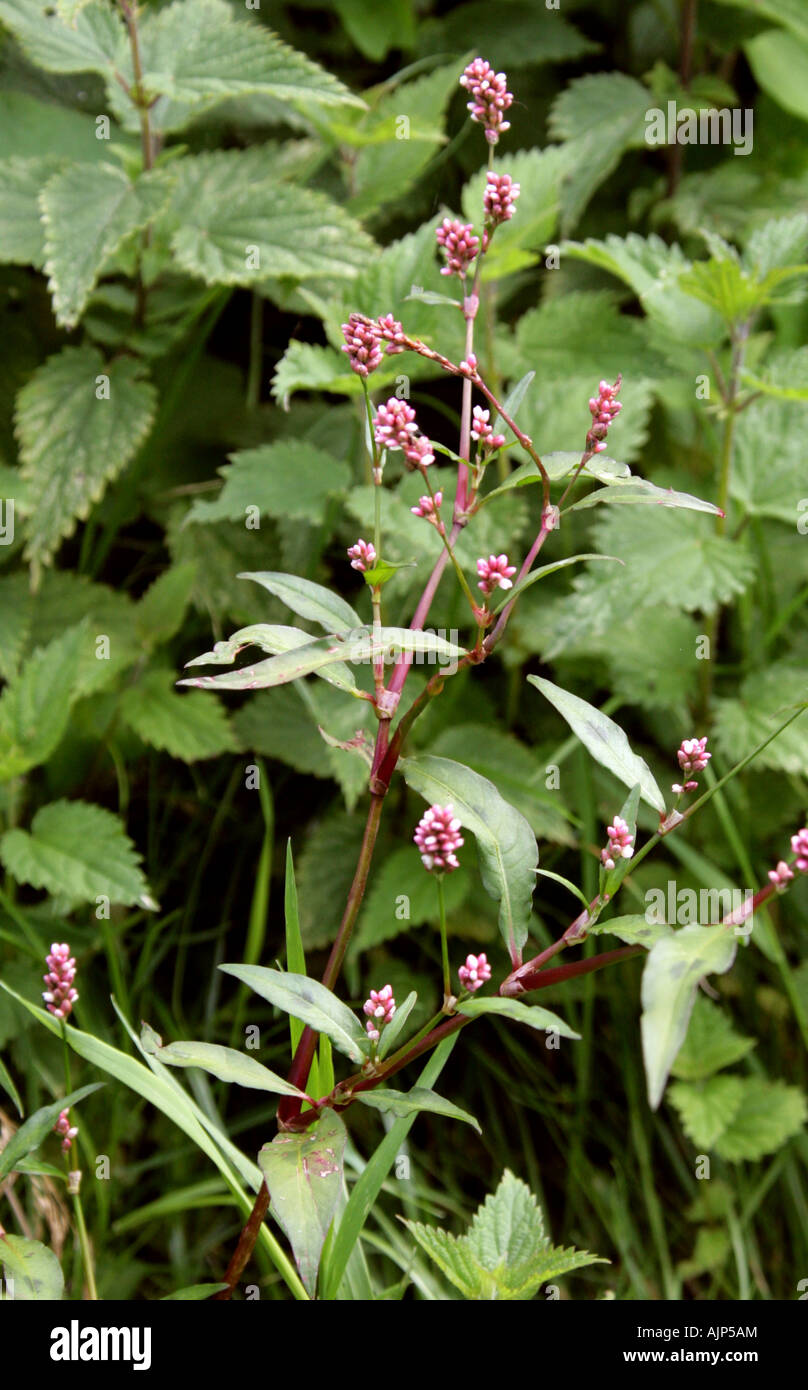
(475, 972)
(692, 756)
(362, 346)
(460, 245)
(390, 329)
(490, 97)
(380, 1008)
(67, 1131)
(799, 844)
(781, 876)
(499, 202)
(418, 452)
(621, 843)
(60, 995)
(604, 409)
(362, 555)
(437, 836)
(394, 424)
(495, 573)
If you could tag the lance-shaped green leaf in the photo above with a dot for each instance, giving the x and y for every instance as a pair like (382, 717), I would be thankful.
(391, 1034)
(604, 739)
(508, 853)
(633, 929)
(309, 1001)
(400, 1103)
(38, 1126)
(560, 465)
(274, 638)
(309, 600)
(32, 1272)
(638, 491)
(675, 965)
(226, 1063)
(318, 654)
(304, 1177)
(545, 570)
(532, 1015)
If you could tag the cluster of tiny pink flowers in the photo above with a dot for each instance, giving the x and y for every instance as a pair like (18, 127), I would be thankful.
(438, 837)
(483, 431)
(781, 876)
(693, 756)
(495, 573)
(67, 1131)
(429, 508)
(499, 199)
(379, 1008)
(362, 555)
(394, 424)
(490, 97)
(364, 342)
(621, 843)
(475, 972)
(604, 409)
(799, 844)
(418, 453)
(460, 245)
(60, 995)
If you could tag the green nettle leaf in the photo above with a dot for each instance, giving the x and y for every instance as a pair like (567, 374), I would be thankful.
(304, 1176)
(308, 600)
(21, 232)
(161, 610)
(79, 421)
(707, 1107)
(557, 337)
(711, 1043)
(769, 1114)
(599, 117)
(403, 873)
(186, 726)
(763, 702)
(384, 171)
(505, 1253)
(87, 43)
(309, 1001)
(604, 739)
(38, 1126)
(311, 367)
(674, 967)
(32, 1271)
(35, 706)
(784, 375)
(506, 845)
(88, 210)
(530, 1014)
(290, 479)
(77, 851)
(237, 225)
(197, 52)
(768, 468)
(401, 1103)
(226, 1063)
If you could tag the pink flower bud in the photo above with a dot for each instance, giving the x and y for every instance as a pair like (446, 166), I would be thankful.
(418, 452)
(362, 555)
(67, 1131)
(482, 430)
(475, 972)
(621, 843)
(799, 844)
(495, 573)
(429, 509)
(437, 836)
(781, 876)
(460, 246)
(390, 329)
(604, 409)
(380, 1008)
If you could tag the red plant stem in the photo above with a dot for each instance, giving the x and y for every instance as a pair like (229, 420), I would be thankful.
(246, 1243)
(542, 979)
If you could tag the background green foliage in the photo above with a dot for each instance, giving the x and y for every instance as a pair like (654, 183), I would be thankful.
(158, 379)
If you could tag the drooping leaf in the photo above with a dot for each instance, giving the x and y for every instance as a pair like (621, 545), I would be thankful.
(672, 972)
(78, 851)
(604, 739)
(228, 1064)
(309, 1001)
(74, 441)
(304, 1176)
(640, 490)
(308, 600)
(400, 1103)
(38, 1126)
(506, 845)
(532, 1015)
